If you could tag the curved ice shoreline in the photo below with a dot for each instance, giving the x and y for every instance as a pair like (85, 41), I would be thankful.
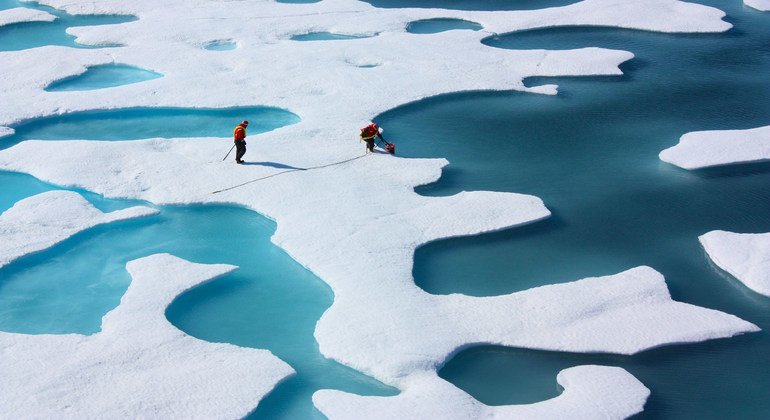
(41, 221)
(589, 392)
(761, 5)
(702, 149)
(357, 236)
(744, 255)
(139, 365)
(23, 15)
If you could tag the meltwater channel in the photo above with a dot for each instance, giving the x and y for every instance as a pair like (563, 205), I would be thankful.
(591, 153)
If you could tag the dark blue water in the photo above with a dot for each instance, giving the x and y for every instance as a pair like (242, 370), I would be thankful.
(22, 36)
(433, 26)
(142, 123)
(100, 77)
(591, 154)
(326, 36)
(472, 4)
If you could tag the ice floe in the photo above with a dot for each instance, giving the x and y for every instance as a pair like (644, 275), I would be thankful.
(139, 365)
(590, 392)
(24, 14)
(353, 220)
(43, 220)
(744, 255)
(761, 5)
(701, 149)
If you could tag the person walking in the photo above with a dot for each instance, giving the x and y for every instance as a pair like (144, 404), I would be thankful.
(239, 137)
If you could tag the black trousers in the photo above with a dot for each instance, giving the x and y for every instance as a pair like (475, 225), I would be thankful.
(240, 150)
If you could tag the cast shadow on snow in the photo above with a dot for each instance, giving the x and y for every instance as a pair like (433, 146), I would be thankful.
(274, 165)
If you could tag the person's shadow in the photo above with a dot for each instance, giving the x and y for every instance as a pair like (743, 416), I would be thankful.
(273, 165)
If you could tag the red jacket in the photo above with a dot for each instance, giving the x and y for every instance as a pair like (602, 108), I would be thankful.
(239, 134)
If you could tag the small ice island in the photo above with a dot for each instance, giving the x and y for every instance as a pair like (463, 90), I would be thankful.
(359, 240)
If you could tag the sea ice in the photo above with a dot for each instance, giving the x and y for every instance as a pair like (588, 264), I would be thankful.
(357, 222)
(761, 5)
(43, 220)
(139, 365)
(24, 14)
(744, 255)
(701, 149)
(590, 392)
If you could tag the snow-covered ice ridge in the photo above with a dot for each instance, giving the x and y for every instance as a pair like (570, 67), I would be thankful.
(138, 365)
(744, 255)
(43, 220)
(702, 149)
(24, 14)
(356, 225)
(761, 5)
(590, 392)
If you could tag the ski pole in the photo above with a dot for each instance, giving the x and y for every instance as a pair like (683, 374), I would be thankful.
(228, 153)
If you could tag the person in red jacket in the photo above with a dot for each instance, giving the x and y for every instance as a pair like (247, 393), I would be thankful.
(239, 137)
(368, 134)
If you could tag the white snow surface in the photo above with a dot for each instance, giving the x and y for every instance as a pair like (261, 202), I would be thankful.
(590, 392)
(43, 220)
(744, 255)
(24, 14)
(761, 5)
(139, 365)
(356, 224)
(702, 149)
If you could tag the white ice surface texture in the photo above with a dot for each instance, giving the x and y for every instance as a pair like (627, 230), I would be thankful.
(590, 392)
(744, 255)
(355, 225)
(43, 220)
(139, 365)
(701, 149)
(24, 14)
(761, 5)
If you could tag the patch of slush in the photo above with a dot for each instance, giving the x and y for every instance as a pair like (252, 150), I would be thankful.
(589, 392)
(221, 45)
(24, 14)
(326, 36)
(702, 149)
(41, 221)
(6, 131)
(761, 5)
(744, 255)
(139, 365)
(103, 76)
(357, 235)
